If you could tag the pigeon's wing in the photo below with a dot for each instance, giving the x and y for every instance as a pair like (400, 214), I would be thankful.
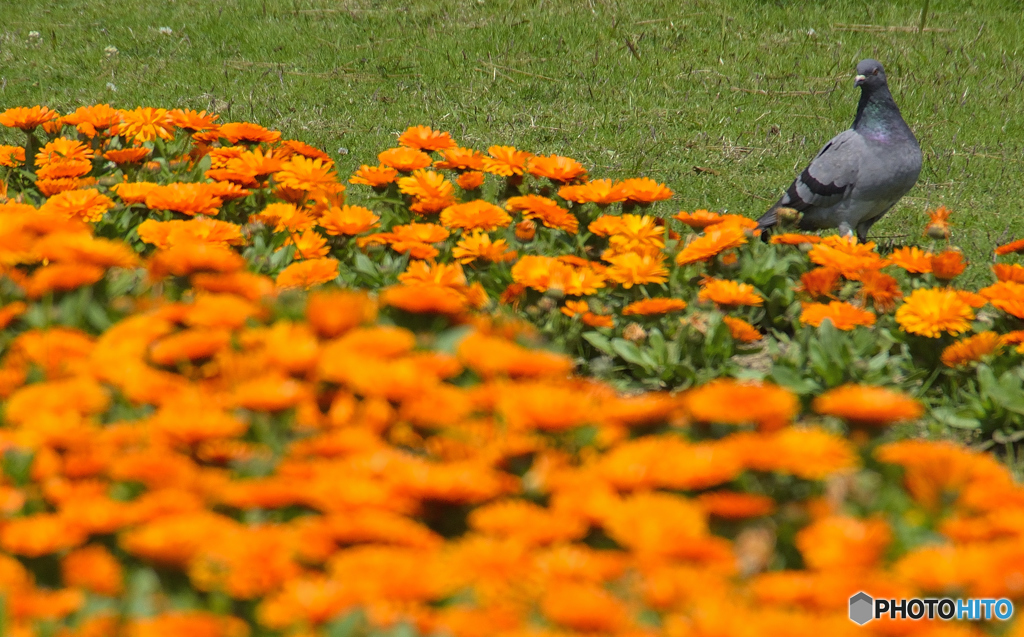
(828, 179)
(830, 176)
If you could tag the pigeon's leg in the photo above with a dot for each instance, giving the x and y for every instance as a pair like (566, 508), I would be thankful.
(845, 230)
(864, 226)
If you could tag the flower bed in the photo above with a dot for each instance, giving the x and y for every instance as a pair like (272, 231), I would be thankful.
(238, 404)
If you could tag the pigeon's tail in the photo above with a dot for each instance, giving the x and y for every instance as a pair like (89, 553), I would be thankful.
(767, 222)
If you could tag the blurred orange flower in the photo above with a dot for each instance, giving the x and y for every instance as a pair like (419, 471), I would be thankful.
(867, 405)
(545, 210)
(474, 215)
(306, 274)
(728, 293)
(740, 330)
(600, 191)
(732, 402)
(648, 307)
(842, 315)
(87, 204)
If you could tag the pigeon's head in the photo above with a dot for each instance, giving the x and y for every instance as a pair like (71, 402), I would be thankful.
(870, 74)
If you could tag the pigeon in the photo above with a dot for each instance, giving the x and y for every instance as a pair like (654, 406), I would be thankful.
(859, 175)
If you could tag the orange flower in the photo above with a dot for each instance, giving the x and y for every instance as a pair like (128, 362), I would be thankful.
(11, 311)
(461, 159)
(245, 132)
(699, 219)
(731, 293)
(573, 308)
(736, 403)
(546, 210)
(584, 607)
(971, 349)
(94, 569)
(913, 260)
(305, 174)
(1009, 272)
(948, 265)
(188, 345)
(134, 192)
(598, 320)
(61, 277)
(736, 506)
(164, 234)
(843, 542)
(882, 289)
(1008, 296)
(795, 239)
(474, 215)
(27, 118)
(843, 316)
(87, 204)
(648, 307)
(491, 356)
(375, 176)
(470, 180)
(557, 168)
(85, 249)
(1009, 248)
(600, 191)
(422, 298)
(11, 156)
(425, 138)
(332, 313)
(308, 273)
(127, 155)
(716, 239)
(644, 190)
(930, 312)
(192, 120)
(419, 232)
(51, 187)
(39, 534)
(526, 230)
(348, 220)
(91, 120)
(938, 224)
(426, 184)
(405, 159)
(194, 623)
(630, 268)
(309, 245)
(188, 199)
(847, 256)
(145, 125)
(820, 282)
(506, 161)
(867, 405)
(740, 330)
(285, 217)
(63, 149)
(480, 246)
(191, 257)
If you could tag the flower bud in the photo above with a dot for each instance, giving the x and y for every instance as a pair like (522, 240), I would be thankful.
(788, 216)
(634, 333)
(526, 230)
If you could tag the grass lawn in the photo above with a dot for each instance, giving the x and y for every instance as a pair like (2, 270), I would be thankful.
(724, 101)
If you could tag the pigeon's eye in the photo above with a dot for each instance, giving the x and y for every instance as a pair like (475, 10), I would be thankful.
(875, 72)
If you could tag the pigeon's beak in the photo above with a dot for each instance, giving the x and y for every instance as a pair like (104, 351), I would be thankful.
(859, 79)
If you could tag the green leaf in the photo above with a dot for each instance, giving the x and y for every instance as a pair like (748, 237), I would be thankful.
(949, 417)
(630, 353)
(599, 341)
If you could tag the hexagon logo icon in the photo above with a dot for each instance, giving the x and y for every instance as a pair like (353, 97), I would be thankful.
(862, 608)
